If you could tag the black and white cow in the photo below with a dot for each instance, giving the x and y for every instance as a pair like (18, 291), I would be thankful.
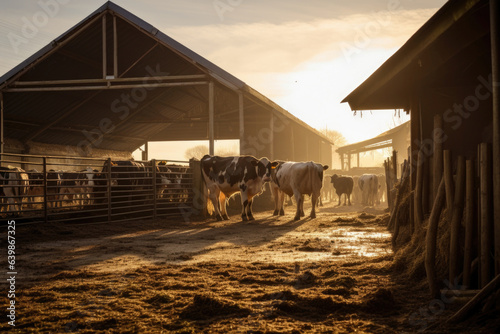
(297, 179)
(343, 185)
(14, 184)
(368, 184)
(225, 176)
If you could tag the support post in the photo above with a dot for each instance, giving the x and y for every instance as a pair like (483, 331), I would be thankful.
(45, 191)
(108, 178)
(357, 160)
(271, 137)
(1, 127)
(241, 114)
(153, 165)
(495, 71)
(211, 112)
(486, 236)
(438, 153)
(470, 227)
(457, 213)
(115, 49)
(104, 49)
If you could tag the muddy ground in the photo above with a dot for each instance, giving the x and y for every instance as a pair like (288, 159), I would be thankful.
(332, 274)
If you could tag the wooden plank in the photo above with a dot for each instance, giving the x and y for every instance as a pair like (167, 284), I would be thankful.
(458, 208)
(430, 241)
(486, 243)
(470, 227)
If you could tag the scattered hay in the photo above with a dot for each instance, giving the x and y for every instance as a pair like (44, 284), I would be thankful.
(204, 307)
(315, 245)
(365, 215)
(380, 301)
(159, 298)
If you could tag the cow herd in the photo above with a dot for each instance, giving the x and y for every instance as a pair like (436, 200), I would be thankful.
(122, 183)
(226, 176)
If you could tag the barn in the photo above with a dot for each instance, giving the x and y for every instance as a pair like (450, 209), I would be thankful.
(114, 83)
(446, 77)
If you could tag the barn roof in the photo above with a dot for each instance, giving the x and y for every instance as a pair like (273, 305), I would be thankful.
(447, 47)
(116, 80)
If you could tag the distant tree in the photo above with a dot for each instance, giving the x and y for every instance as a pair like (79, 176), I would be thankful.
(196, 152)
(336, 137)
(199, 151)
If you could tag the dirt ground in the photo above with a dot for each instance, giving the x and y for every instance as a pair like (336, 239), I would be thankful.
(332, 274)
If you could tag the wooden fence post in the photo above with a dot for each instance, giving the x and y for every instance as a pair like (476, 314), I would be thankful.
(458, 208)
(486, 235)
(469, 222)
(108, 179)
(448, 183)
(438, 152)
(430, 241)
(418, 191)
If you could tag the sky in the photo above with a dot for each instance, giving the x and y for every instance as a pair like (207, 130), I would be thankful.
(304, 55)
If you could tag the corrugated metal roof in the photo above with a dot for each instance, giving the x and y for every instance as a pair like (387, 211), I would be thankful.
(123, 119)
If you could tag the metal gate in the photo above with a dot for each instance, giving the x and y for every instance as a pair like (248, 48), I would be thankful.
(62, 189)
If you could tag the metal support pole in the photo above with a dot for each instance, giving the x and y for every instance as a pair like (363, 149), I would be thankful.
(211, 112)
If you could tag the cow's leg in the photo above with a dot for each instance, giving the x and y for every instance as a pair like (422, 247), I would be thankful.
(298, 199)
(349, 199)
(314, 199)
(244, 204)
(281, 203)
(249, 209)
(340, 196)
(276, 196)
(214, 198)
(223, 206)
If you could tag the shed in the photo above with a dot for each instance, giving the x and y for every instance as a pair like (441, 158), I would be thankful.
(397, 138)
(113, 83)
(447, 74)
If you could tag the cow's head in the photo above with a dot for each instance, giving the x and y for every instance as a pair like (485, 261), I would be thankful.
(264, 168)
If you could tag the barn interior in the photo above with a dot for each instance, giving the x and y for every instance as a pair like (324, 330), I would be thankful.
(113, 83)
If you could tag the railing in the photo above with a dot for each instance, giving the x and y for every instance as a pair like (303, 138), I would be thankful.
(36, 189)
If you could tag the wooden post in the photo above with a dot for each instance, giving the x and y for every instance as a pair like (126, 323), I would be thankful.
(448, 183)
(348, 161)
(104, 49)
(438, 153)
(458, 208)
(2, 125)
(108, 178)
(153, 165)
(395, 165)
(387, 184)
(115, 49)
(419, 217)
(486, 219)
(45, 191)
(470, 227)
(342, 161)
(357, 160)
(241, 116)
(430, 241)
(495, 72)
(211, 112)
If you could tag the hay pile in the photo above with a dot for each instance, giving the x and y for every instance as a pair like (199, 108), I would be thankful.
(409, 246)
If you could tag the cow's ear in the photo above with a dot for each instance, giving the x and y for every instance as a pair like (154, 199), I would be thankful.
(274, 164)
(325, 167)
